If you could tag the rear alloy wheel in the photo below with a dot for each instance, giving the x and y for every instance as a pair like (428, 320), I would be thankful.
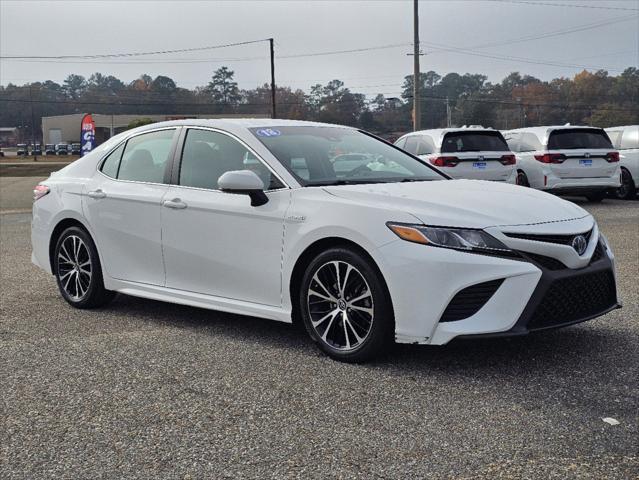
(627, 190)
(78, 271)
(345, 306)
(522, 179)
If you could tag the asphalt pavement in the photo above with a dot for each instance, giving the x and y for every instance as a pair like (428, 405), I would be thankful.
(144, 389)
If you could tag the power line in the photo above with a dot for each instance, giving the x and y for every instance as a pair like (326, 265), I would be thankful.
(570, 5)
(134, 54)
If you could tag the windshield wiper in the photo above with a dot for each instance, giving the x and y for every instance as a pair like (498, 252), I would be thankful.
(340, 182)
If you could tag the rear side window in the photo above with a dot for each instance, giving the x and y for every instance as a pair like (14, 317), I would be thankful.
(474, 142)
(112, 163)
(146, 156)
(529, 142)
(578, 138)
(615, 137)
(419, 145)
(630, 138)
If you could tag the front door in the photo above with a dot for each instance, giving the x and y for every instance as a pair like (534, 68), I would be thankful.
(216, 243)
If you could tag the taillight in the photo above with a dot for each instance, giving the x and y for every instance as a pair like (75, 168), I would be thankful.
(507, 160)
(551, 158)
(612, 157)
(445, 161)
(40, 191)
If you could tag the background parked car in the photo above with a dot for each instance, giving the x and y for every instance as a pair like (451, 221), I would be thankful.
(22, 149)
(76, 149)
(569, 160)
(49, 149)
(37, 149)
(62, 149)
(626, 140)
(468, 152)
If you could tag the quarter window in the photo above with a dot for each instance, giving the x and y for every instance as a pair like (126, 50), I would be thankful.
(207, 155)
(112, 162)
(146, 156)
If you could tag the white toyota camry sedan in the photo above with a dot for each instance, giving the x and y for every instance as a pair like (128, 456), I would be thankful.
(327, 225)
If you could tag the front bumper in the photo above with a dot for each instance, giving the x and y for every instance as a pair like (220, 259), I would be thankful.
(441, 294)
(567, 296)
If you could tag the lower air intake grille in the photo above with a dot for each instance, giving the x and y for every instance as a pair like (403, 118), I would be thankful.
(598, 253)
(575, 298)
(468, 301)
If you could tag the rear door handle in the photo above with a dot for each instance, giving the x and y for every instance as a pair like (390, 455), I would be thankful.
(176, 204)
(96, 194)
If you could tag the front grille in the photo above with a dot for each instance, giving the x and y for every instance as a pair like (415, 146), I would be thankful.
(559, 239)
(469, 301)
(575, 298)
(543, 261)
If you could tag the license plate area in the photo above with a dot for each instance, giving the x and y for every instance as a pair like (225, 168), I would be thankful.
(479, 165)
(585, 162)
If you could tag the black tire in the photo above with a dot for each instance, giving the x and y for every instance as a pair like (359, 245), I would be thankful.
(522, 179)
(596, 197)
(352, 334)
(88, 290)
(628, 189)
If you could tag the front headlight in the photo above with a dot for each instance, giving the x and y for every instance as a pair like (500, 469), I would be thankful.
(456, 238)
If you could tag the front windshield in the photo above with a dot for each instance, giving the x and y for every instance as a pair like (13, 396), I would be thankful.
(334, 156)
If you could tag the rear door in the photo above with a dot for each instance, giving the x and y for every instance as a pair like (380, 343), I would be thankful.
(585, 150)
(482, 155)
(123, 205)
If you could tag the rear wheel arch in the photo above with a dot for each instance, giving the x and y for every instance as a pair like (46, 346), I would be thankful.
(61, 226)
(314, 249)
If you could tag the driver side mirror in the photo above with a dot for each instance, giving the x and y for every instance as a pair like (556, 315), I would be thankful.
(244, 182)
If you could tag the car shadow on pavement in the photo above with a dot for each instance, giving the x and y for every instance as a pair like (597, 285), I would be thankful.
(576, 347)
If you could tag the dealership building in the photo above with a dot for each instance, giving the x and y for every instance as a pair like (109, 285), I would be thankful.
(66, 128)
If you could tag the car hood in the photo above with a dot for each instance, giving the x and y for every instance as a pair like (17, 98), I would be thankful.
(464, 203)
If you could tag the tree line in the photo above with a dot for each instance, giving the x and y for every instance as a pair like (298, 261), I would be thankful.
(453, 99)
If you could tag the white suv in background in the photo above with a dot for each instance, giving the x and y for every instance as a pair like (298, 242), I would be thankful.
(568, 160)
(626, 140)
(476, 153)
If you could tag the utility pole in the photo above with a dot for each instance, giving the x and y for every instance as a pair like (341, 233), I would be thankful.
(273, 111)
(35, 157)
(448, 114)
(416, 77)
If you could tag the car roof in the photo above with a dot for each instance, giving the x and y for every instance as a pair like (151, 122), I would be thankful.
(235, 124)
(438, 133)
(621, 127)
(543, 130)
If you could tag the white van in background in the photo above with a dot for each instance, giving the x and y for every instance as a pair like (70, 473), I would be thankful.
(626, 140)
(567, 160)
(475, 152)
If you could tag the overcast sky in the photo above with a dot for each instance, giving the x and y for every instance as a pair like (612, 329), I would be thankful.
(480, 33)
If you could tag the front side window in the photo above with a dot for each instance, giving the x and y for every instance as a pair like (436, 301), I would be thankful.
(578, 138)
(146, 156)
(333, 155)
(207, 155)
(488, 141)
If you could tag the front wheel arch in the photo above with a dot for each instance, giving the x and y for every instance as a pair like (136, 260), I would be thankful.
(311, 252)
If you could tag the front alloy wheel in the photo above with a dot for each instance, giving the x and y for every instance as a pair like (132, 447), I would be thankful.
(345, 306)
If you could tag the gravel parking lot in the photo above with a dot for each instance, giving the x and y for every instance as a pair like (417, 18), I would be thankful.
(144, 389)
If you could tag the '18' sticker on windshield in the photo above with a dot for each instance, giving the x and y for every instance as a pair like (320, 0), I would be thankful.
(268, 132)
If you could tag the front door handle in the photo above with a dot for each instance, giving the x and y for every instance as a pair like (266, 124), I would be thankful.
(96, 194)
(176, 204)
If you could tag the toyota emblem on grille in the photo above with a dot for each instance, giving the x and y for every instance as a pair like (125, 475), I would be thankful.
(580, 244)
